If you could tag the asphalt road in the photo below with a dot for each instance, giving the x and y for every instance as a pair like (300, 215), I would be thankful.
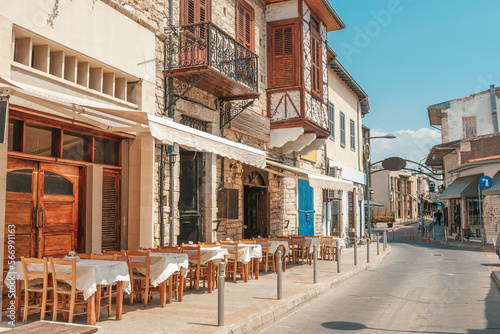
(418, 288)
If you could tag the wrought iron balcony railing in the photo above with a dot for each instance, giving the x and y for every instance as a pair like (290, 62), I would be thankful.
(203, 44)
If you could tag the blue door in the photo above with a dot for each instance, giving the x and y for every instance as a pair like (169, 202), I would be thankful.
(306, 208)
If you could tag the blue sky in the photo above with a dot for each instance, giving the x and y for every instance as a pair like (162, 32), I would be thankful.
(409, 54)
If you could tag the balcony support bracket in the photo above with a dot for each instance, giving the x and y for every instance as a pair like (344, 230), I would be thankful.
(179, 88)
(231, 109)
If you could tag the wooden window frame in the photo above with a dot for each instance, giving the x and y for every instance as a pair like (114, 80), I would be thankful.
(331, 114)
(246, 7)
(342, 129)
(60, 127)
(467, 121)
(317, 92)
(297, 64)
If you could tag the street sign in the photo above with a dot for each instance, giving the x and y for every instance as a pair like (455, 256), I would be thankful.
(485, 182)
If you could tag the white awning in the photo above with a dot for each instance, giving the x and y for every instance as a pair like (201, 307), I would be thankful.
(167, 130)
(102, 115)
(315, 180)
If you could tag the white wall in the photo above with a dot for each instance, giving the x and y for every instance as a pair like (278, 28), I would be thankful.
(282, 10)
(91, 28)
(478, 105)
(344, 100)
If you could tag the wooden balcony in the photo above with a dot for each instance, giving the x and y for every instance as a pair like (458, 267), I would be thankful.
(231, 70)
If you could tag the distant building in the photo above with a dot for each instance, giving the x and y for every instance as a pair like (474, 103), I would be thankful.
(396, 191)
(470, 149)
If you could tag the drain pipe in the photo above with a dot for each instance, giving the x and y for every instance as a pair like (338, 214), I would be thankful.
(162, 226)
(494, 107)
(172, 155)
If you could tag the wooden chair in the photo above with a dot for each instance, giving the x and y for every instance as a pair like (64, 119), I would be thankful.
(68, 290)
(168, 249)
(267, 258)
(140, 283)
(328, 248)
(120, 255)
(285, 258)
(250, 266)
(197, 271)
(84, 256)
(42, 287)
(209, 244)
(233, 265)
(108, 289)
(299, 249)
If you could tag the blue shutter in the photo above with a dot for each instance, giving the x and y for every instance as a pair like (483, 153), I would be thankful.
(342, 129)
(353, 136)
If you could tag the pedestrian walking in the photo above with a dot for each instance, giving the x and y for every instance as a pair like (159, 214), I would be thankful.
(438, 216)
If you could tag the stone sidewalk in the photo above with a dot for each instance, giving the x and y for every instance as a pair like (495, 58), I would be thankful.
(249, 307)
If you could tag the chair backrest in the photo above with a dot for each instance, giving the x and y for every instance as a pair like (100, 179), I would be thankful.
(168, 249)
(246, 241)
(208, 244)
(44, 274)
(193, 252)
(84, 255)
(62, 275)
(264, 243)
(298, 241)
(122, 254)
(142, 264)
(232, 248)
(327, 241)
(109, 257)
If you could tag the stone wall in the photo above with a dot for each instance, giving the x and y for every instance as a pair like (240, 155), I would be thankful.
(491, 215)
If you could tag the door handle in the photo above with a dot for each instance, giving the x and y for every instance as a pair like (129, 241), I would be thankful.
(36, 219)
(43, 218)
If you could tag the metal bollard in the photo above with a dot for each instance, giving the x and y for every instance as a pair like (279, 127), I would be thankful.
(280, 276)
(367, 251)
(378, 244)
(220, 309)
(383, 241)
(315, 265)
(355, 253)
(433, 234)
(392, 234)
(445, 237)
(338, 257)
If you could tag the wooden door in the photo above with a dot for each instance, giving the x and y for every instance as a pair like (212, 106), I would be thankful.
(20, 208)
(58, 209)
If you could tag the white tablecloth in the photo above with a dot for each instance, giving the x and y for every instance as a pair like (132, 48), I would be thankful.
(163, 265)
(215, 254)
(310, 242)
(274, 244)
(246, 252)
(89, 274)
(341, 242)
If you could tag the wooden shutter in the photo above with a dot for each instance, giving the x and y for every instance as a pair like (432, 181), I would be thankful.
(283, 58)
(316, 59)
(111, 210)
(194, 11)
(245, 24)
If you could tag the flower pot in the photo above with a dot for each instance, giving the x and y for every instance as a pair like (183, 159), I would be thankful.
(389, 224)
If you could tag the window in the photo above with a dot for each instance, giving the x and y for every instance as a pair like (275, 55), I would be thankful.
(342, 129)
(283, 56)
(331, 113)
(245, 24)
(316, 60)
(353, 135)
(469, 127)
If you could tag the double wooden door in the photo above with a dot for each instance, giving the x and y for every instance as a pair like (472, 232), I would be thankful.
(41, 207)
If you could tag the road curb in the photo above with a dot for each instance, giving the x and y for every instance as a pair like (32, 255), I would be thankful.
(458, 244)
(265, 318)
(495, 276)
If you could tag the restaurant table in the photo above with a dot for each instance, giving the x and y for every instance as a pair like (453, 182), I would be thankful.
(210, 256)
(340, 242)
(274, 244)
(161, 267)
(89, 274)
(310, 242)
(247, 252)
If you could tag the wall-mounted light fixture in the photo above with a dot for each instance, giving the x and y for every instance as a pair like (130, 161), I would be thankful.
(234, 169)
(172, 152)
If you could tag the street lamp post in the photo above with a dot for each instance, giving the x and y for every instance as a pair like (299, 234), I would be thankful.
(367, 175)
